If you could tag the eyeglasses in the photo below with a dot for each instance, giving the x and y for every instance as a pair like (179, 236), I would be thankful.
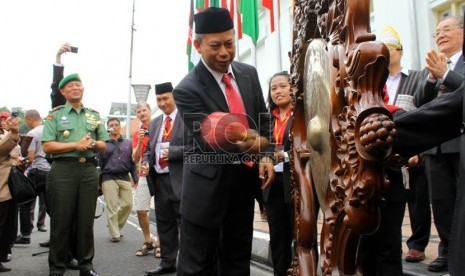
(446, 30)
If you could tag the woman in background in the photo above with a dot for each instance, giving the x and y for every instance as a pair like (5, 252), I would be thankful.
(277, 198)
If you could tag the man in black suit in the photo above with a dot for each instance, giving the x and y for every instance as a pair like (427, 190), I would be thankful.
(219, 185)
(446, 73)
(163, 161)
(435, 122)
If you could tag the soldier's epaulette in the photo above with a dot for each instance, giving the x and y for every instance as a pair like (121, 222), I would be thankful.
(93, 110)
(50, 113)
(56, 108)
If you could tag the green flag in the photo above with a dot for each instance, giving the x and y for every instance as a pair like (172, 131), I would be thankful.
(249, 11)
(215, 3)
(200, 4)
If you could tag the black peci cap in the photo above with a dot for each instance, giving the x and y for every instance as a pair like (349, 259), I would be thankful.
(162, 88)
(213, 20)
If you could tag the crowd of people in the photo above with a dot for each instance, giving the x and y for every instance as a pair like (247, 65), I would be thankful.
(204, 205)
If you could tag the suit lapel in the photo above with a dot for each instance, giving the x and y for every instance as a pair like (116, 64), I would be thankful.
(158, 125)
(177, 121)
(400, 88)
(212, 89)
(245, 89)
(460, 67)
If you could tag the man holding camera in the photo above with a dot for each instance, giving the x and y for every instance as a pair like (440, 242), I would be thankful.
(163, 165)
(143, 196)
(116, 164)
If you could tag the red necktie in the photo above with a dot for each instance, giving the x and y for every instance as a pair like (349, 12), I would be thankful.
(234, 100)
(165, 138)
(236, 106)
(167, 130)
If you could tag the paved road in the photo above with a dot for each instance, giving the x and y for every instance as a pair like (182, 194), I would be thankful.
(110, 258)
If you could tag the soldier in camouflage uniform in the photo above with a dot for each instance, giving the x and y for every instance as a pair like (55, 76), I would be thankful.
(73, 135)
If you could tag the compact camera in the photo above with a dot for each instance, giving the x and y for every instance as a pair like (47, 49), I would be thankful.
(74, 49)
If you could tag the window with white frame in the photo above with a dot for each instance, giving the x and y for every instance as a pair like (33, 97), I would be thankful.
(445, 14)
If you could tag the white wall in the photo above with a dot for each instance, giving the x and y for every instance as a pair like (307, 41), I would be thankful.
(270, 59)
(413, 21)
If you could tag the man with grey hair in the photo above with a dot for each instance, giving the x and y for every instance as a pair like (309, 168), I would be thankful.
(445, 74)
(37, 172)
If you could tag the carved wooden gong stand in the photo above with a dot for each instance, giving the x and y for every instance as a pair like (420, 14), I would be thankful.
(341, 134)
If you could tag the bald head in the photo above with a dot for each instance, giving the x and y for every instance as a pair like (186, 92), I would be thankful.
(32, 118)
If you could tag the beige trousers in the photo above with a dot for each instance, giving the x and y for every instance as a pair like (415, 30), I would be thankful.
(118, 200)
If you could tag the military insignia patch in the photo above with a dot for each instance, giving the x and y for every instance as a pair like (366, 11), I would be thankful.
(64, 121)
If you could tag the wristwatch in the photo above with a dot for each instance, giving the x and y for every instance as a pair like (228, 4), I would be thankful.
(94, 144)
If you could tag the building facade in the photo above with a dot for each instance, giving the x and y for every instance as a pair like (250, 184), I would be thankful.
(415, 21)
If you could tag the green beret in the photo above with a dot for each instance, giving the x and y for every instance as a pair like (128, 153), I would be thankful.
(68, 78)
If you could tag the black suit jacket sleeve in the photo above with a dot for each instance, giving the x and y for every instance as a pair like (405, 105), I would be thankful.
(425, 93)
(56, 96)
(429, 91)
(175, 153)
(453, 80)
(433, 123)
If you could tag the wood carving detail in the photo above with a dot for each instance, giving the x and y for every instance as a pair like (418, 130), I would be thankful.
(361, 133)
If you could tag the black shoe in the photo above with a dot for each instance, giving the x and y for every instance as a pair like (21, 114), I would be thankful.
(88, 273)
(4, 269)
(438, 265)
(44, 244)
(7, 259)
(42, 228)
(161, 271)
(22, 240)
(73, 264)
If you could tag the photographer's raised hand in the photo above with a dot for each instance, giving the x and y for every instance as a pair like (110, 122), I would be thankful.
(65, 47)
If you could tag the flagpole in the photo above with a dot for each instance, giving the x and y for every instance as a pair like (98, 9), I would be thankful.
(236, 31)
(253, 51)
(277, 23)
(128, 110)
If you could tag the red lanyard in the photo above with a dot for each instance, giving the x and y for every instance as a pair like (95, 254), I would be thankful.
(278, 128)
